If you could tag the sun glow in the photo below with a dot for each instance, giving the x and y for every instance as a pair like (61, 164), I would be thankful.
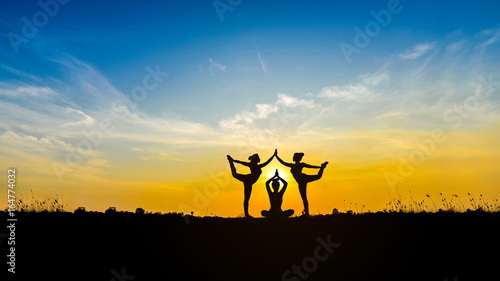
(270, 170)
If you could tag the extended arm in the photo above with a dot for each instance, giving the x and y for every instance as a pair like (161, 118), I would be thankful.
(283, 162)
(310, 166)
(267, 162)
(242, 163)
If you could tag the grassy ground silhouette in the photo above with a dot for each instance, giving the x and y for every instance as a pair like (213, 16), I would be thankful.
(376, 246)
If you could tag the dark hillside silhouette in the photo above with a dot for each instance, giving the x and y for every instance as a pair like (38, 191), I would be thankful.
(385, 246)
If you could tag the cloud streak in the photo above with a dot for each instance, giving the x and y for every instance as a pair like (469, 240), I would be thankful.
(417, 51)
(214, 66)
(489, 37)
(262, 63)
(264, 111)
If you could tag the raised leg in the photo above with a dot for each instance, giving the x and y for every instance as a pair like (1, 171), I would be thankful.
(310, 178)
(233, 168)
(320, 172)
(237, 176)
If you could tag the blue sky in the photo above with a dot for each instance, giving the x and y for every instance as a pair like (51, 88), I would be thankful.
(295, 39)
(228, 78)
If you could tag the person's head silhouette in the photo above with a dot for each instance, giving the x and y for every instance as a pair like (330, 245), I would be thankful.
(298, 156)
(276, 185)
(254, 159)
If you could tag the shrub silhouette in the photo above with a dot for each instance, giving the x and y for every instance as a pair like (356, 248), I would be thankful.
(80, 210)
(110, 211)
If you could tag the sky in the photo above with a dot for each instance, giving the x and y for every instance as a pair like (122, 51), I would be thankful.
(136, 104)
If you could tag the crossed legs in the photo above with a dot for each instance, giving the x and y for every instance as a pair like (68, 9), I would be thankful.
(280, 214)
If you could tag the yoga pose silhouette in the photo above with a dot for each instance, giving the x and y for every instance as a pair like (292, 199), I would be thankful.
(301, 178)
(276, 198)
(250, 179)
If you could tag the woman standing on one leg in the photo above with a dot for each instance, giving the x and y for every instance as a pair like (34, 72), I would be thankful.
(301, 178)
(250, 179)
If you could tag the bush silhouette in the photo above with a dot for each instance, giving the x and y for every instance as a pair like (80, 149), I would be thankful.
(80, 210)
(110, 211)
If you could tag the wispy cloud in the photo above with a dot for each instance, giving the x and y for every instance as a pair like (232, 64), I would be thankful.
(391, 115)
(417, 51)
(87, 100)
(363, 87)
(25, 91)
(455, 46)
(263, 111)
(87, 120)
(245, 118)
(215, 66)
(374, 79)
(349, 92)
(19, 73)
(100, 163)
(289, 101)
(488, 37)
(262, 63)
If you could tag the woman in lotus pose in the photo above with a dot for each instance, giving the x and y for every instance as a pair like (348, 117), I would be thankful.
(301, 178)
(250, 179)
(276, 198)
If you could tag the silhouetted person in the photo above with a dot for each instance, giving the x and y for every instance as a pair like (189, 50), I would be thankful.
(276, 198)
(301, 178)
(250, 179)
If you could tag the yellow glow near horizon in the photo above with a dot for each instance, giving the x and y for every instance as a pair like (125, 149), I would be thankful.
(467, 162)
